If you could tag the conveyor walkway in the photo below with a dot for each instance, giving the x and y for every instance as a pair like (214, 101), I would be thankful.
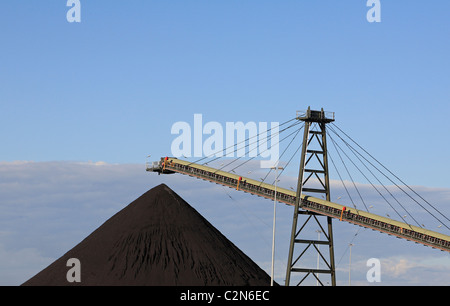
(169, 165)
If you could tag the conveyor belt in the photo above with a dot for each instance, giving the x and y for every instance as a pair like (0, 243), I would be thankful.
(168, 165)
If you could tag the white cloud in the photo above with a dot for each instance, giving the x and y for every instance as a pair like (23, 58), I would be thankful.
(398, 266)
(48, 207)
(413, 270)
(19, 265)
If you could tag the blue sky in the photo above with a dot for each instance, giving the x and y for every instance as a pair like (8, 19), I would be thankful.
(110, 88)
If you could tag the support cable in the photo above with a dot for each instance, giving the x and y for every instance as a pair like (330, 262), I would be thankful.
(236, 159)
(348, 172)
(376, 187)
(270, 170)
(387, 190)
(392, 180)
(289, 161)
(342, 181)
(233, 145)
(282, 154)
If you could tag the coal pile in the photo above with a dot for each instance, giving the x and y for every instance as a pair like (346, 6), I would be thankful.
(157, 240)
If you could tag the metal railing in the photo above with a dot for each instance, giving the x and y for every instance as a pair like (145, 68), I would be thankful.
(303, 114)
(307, 203)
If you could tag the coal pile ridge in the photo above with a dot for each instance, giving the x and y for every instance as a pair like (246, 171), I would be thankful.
(157, 240)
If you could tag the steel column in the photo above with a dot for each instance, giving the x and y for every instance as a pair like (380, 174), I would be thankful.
(320, 118)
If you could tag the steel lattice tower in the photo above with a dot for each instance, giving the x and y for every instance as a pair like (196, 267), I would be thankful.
(313, 164)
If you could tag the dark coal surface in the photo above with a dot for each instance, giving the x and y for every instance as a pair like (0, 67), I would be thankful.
(157, 240)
